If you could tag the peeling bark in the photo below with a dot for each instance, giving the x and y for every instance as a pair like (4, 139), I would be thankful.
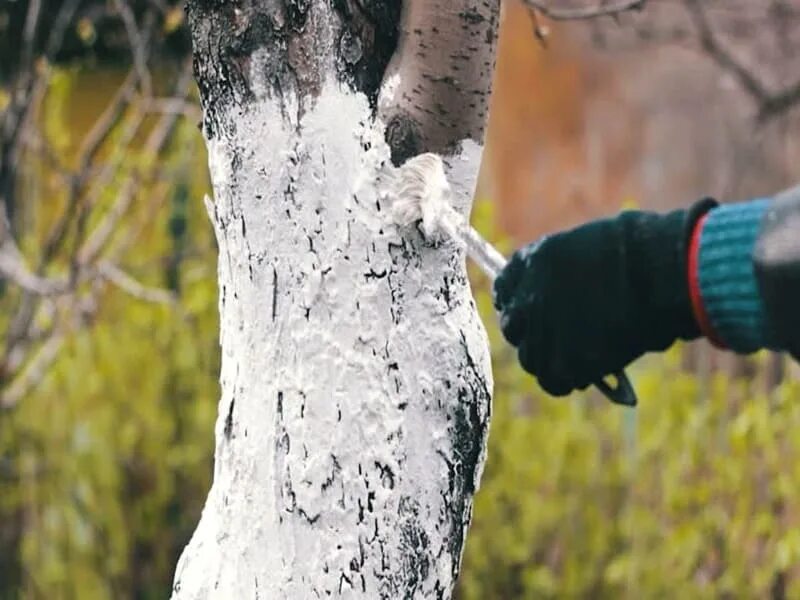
(355, 373)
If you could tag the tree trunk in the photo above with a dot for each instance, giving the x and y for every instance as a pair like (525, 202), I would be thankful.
(355, 373)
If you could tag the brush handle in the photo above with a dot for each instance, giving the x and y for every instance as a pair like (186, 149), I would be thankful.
(492, 262)
(482, 252)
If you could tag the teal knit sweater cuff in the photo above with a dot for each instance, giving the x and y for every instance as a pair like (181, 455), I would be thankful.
(727, 280)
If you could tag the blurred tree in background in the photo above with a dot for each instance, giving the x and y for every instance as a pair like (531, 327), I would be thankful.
(663, 105)
(108, 306)
(109, 355)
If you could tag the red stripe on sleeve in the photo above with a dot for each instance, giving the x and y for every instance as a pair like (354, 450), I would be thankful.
(698, 308)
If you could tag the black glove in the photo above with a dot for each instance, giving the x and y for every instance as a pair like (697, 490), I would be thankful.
(584, 303)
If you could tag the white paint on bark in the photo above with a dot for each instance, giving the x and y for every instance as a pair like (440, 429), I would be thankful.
(389, 91)
(355, 371)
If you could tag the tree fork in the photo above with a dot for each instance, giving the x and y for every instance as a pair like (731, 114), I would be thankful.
(355, 372)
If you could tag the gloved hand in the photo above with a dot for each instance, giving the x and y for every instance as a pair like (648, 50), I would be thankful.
(582, 304)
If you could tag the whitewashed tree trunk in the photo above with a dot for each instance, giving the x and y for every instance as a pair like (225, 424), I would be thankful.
(355, 375)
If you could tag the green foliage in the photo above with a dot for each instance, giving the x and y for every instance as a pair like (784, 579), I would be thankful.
(113, 452)
(689, 496)
(105, 465)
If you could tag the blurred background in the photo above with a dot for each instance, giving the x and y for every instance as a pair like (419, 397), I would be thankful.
(109, 354)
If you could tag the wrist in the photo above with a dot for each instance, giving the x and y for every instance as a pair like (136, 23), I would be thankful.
(659, 252)
(699, 312)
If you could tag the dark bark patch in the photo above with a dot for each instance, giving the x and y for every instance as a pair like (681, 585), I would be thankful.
(274, 293)
(404, 139)
(336, 469)
(386, 474)
(342, 580)
(472, 16)
(350, 48)
(372, 274)
(226, 37)
(415, 544)
(468, 431)
(311, 519)
(228, 429)
(297, 13)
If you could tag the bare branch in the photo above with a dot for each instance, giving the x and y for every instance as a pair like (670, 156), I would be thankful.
(91, 145)
(181, 106)
(770, 104)
(575, 14)
(138, 44)
(29, 33)
(156, 140)
(540, 31)
(37, 367)
(37, 287)
(59, 28)
(106, 122)
(33, 140)
(33, 373)
(102, 129)
(132, 287)
(28, 352)
(13, 269)
(779, 103)
(122, 152)
(724, 59)
(12, 265)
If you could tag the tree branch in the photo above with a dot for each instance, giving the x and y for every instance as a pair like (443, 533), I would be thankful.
(13, 269)
(156, 140)
(779, 103)
(724, 59)
(29, 33)
(770, 104)
(91, 145)
(138, 43)
(29, 351)
(430, 101)
(132, 287)
(576, 14)
(34, 372)
(540, 31)
(107, 121)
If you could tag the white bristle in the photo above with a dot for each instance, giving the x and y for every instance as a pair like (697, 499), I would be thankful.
(422, 193)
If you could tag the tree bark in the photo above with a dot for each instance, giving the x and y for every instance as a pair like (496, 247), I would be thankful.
(355, 373)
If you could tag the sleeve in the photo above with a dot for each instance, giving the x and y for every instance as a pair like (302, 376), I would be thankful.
(744, 274)
(776, 261)
(725, 293)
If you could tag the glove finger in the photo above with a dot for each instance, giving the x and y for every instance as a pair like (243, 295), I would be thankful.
(556, 386)
(556, 378)
(556, 375)
(514, 324)
(507, 281)
(528, 359)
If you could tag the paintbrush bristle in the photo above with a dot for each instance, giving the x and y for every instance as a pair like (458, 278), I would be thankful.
(422, 193)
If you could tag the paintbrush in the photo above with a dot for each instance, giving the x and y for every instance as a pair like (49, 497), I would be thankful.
(421, 194)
